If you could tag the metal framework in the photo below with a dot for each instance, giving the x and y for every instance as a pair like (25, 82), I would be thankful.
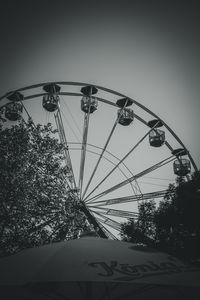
(83, 151)
(103, 212)
(63, 140)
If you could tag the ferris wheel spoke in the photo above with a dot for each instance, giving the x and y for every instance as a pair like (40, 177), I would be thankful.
(91, 219)
(134, 188)
(105, 230)
(29, 116)
(105, 147)
(121, 161)
(135, 198)
(72, 117)
(108, 221)
(116, 213)
(71, 180)
(168, 146)
(67, 181)
(83, 150)
(108, 152)
(71, 128)
(107, 159)
(127, 181)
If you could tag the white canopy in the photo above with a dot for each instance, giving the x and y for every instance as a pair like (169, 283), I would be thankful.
(97, 265)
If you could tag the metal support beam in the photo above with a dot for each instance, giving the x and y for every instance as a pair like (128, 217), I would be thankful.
(123, 183)
(121, 161)
(116, 213)
(83, 150)
(108, 221)
(103, 150)
(127, 199)
(91, 219)
(63, 140)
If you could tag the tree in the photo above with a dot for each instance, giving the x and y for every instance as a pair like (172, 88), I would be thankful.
(142, 230)
(174, 226)
(36, 206)
(177, 218)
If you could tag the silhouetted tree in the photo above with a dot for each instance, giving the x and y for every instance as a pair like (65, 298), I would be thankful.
(35, 205)
(173, 226)
(177, 218)
(141, 230)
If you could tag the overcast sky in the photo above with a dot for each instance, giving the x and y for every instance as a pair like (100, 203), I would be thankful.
(146, 50)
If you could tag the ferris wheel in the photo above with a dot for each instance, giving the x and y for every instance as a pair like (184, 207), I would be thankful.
(118, 152)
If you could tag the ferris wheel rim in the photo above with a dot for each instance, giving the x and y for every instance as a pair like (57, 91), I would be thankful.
(111, 91)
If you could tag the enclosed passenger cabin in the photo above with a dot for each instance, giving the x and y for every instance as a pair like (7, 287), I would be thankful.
(89, 103)
(126, 116)
(182, 167)
(13, 111)
(51, 100)
(156, 136)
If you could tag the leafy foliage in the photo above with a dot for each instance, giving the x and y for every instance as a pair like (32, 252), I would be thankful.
(173, 226)
(36, 206)
(142, 230)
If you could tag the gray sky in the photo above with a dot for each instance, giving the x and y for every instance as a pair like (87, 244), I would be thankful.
(146, 50)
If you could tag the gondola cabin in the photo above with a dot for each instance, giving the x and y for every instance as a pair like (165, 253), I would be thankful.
(182, 167)
(126, 116)
(89, 104)
(50, 102)
(156, 137)
(13, 111)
